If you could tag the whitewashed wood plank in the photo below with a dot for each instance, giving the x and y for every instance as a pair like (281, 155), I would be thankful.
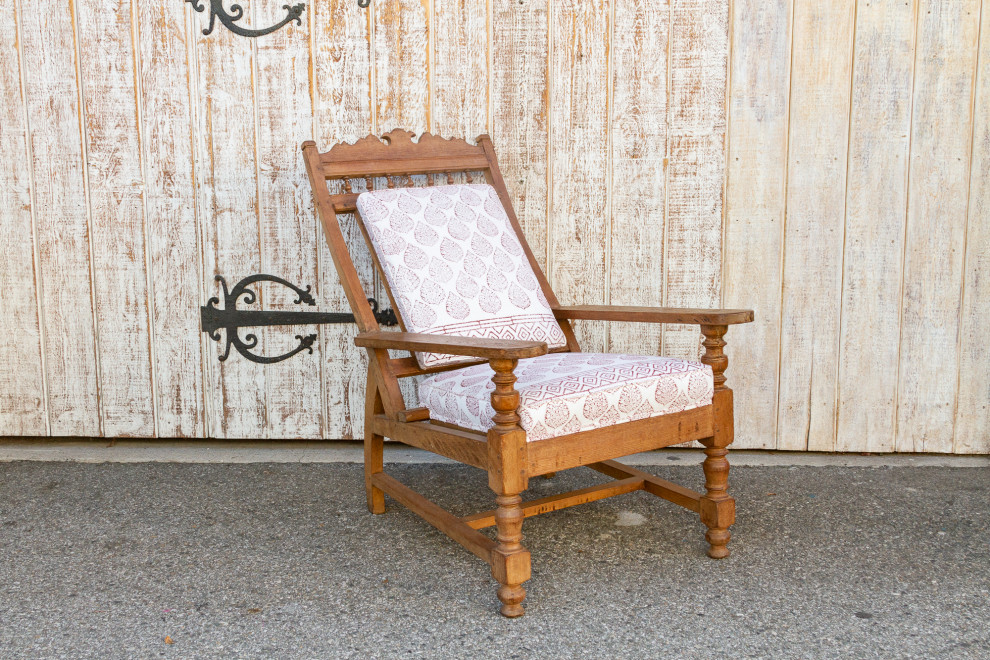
(821, 70)
(172, 223)
(460, 68)
(116, 208)
(639, 151)
(402, 68)
(234, 390)
(48, 50)
(972, 430)
(289, 244)
(756, 180)
(579, 115)
(942, 130)
(520, 88)
(22, 387)
(343, 112)
(876, 203)
(699, 45)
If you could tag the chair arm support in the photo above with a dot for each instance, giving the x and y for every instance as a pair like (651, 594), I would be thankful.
(479, 347)
(654, 314)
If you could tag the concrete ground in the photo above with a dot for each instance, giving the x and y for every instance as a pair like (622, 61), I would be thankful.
(282, 560)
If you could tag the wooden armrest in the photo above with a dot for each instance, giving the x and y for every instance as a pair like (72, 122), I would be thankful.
(654, 314)
(480, 347)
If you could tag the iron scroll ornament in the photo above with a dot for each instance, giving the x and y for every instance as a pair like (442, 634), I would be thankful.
(230, 319)
(294, 13)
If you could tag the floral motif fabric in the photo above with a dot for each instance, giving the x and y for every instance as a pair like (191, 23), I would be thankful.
(562, 393)
(455, 266)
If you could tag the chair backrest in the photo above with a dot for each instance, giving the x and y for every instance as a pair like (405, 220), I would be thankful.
(396, 162)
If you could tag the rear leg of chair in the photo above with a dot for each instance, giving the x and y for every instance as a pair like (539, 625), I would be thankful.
(374, 447)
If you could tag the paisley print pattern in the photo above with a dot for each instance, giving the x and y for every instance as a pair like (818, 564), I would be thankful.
(563, 393)
(456, 266)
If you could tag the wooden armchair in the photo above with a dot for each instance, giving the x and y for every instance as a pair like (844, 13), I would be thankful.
(476, 314)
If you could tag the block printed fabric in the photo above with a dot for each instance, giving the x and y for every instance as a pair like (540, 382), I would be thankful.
(563, 393)
(455, 266)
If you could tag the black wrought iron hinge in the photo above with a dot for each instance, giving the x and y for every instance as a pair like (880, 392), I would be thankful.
(230, 319)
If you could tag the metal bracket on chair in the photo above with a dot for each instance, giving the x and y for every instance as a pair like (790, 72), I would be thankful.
(230, 319)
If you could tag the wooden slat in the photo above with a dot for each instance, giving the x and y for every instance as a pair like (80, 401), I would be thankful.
(22, 387)
(341, 83)
(671, 492)
(876, 200)
(460, 68)
(695, 174)
(561, 453)
(941, 136)
(656, 314)
(972, 431)
(460, 445)
(116, 208)
(639, 166)
(520, 123)
(172, 224)
(402, 71)
(816, 190)
(755, 209)
(446, 522)
(228, 192)
(48, 51)
(285, 202)
(579, 111)
(379, 168)
(561, 501)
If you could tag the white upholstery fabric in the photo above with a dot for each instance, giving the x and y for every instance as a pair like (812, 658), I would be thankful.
(455, 266)
(562, 393)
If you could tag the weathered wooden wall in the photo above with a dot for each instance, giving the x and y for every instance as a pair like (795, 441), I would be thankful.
(849, 203)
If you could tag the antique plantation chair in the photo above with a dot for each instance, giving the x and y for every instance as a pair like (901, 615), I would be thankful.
(504, 386)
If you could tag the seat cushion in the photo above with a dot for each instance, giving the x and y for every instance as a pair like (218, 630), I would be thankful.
(562, 393)
(455, 266)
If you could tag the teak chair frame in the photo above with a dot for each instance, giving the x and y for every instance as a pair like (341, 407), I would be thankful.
(504, 451)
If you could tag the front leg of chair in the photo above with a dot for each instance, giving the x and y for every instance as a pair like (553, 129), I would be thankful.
(718, 509)
(508, 478)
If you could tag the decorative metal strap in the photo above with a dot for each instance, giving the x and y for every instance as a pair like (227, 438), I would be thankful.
(237, 13)
(230, 319)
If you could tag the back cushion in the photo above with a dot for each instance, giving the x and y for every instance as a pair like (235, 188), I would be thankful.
(455, 266)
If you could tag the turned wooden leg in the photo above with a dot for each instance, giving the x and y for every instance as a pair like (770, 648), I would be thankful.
(718, 510)
(507, 477)
(374, 447)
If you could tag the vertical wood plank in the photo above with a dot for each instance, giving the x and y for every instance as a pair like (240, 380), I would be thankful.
(228, 191)
(520, 87)
(116, 208)
(285, 120)
(821, 70)
(972, 430)
(22, 388)
(342, 92)
(639, 151)
(402, 71)
(172, 222)
(48, 50)
(579, 70)
(755, 212)
(876, 200)
(460, 68)
(942, 130)
(699, 45)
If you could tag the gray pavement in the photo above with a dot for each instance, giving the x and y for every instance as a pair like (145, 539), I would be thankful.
(282, 560)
